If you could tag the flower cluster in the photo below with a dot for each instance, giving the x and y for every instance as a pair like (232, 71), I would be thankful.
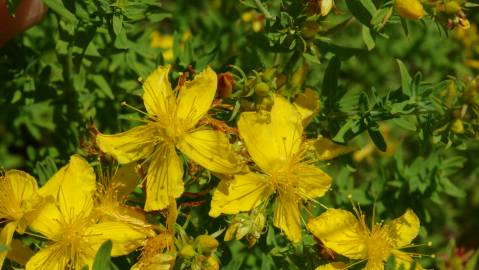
(76, 211)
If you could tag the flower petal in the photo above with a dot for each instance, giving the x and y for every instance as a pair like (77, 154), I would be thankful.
(287, 216)
(286, 126)
(125, 238)
(326, 149)
(6, 236)
(195, 97)
(313, 182)
(16, 187)
(340, 231)
(403, 229)
(404, 259)
(332, 266)
(72, 187)
(48, 221)
(23, 184)
(258, 137)
(272, 144)
(164, 178)
(158, 96)
(245, 192)
(125, 180)
(211, 149)
(307, 104)
(130, 145)
(58, 257)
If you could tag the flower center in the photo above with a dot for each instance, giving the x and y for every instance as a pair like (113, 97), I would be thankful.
(378, 245)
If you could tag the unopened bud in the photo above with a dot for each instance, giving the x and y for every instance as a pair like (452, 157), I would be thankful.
(187, 251)
(410, 9)
(261, 89)
(457, 126)
(226, 83)
(211, 264)
(325, 7)
(206, 243)
(452, 7)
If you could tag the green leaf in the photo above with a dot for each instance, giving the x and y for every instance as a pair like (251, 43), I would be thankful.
(117, 23)
(103, 85)
(363, 10)
(330, 81)
(58, 7)
(451, 189)
(368, 38)
(158, 17)
(377, 138)
(405, 78)
(103, 256)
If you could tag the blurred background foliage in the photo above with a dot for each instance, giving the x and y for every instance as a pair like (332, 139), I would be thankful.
(403, 94)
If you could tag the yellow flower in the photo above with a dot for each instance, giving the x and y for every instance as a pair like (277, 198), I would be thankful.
(276, 147)
(410, 9)
(69, 222)
(18, 205)
(164, 42)
(349, 236)
(172, 124)
(113, 192)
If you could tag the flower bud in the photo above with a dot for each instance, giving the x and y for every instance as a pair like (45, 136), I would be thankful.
(452, 7)
(325, 7)
(211, 264)
(187, 251)
(457, 126)
(206, 243)
(261, 89)
(226, 83)
(410, 9)
(268, 74)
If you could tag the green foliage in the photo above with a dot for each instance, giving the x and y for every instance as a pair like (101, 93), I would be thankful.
(102, 258)
(384, 84)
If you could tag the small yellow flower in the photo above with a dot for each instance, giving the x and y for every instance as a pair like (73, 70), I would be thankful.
(172, 123)
(348, 235)
(70, 224)
(18, 205)
(276, 147)
(410, 9)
